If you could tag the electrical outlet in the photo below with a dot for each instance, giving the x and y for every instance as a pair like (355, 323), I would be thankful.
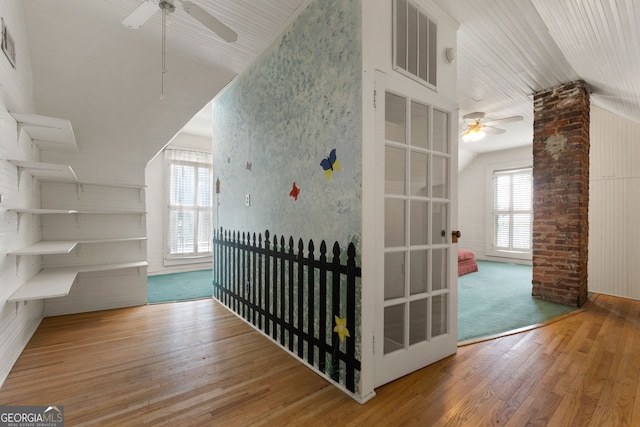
(247, 200)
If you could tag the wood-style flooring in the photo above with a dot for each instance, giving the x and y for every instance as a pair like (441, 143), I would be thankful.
(194, 363)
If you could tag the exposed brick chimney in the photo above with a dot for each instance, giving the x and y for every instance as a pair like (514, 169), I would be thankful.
(561, 193)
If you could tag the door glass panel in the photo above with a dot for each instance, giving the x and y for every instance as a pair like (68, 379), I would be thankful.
(394, 170)
(394, 223)
(440, 131)
(439, 315)
(439, 269)
(393, 328)
(419, 174)
(440, 187)
(419, 270)
(418, 321)
(395, 116)
(394, 277)
(419, 124)
(439, 220)
(419, 224)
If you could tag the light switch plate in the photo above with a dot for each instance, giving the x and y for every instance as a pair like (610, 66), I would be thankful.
(247, 200)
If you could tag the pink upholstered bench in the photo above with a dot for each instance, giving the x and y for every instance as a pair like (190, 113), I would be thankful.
(466, 262)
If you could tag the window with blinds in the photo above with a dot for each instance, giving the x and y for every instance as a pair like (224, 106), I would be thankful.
(415, 42)
(512, 214)
(190, 215)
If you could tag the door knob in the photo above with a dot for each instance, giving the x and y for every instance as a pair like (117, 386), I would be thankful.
(455, 235)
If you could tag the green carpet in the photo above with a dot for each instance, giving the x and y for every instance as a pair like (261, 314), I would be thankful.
(180, 286)
(497, 299)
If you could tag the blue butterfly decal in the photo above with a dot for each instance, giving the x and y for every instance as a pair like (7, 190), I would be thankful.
(330, 164)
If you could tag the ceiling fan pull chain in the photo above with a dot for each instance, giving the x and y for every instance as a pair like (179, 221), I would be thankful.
(164, 41)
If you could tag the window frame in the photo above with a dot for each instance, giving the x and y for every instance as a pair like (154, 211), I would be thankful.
(171, 259)
(490, 250)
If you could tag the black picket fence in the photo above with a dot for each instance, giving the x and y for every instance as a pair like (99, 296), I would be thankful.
(291, 297)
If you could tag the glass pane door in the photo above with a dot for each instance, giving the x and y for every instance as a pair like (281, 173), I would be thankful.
(416, 228)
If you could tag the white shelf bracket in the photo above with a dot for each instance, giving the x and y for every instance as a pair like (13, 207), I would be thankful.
(79, 189)
(77, 215)
(18, 263)
(141, 197)
(18, 219)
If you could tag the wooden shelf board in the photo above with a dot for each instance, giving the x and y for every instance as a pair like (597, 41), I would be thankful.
(47, 132)
(47, 248)
(39, 211)
(46, 171)
(113, 240)
(100, 267)
(45, 284)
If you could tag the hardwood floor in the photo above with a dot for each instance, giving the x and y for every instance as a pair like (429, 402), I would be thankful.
(194, 363)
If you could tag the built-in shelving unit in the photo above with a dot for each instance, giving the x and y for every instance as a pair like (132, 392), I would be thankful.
(57, 279)
(46, 284)
(47, 132)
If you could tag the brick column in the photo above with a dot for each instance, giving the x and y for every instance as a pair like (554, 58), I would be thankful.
(561, 193)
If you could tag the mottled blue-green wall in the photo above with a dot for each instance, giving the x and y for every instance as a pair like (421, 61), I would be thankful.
(298, 101)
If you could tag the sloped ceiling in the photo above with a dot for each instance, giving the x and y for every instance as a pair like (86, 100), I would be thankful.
(106, 79)
(507, 50)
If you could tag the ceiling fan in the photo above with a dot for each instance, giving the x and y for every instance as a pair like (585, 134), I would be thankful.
(476, 127)
(148, 8)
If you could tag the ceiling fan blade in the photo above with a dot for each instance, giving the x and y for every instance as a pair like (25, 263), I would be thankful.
(504, 120)
(493, 130)
(141, 14)
(209, 21)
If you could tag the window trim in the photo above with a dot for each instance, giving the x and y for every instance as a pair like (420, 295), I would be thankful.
(168, 258)
(490, 171)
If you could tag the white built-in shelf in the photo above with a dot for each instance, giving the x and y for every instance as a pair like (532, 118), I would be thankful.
(112, 184)
(47, 248)
(45, 171)
(38, 211)
(113, 240)
(56, 282)
(47, 132)
(50, 283)
(105, 267)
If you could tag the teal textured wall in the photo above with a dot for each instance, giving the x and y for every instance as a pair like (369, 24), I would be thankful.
(275, 124)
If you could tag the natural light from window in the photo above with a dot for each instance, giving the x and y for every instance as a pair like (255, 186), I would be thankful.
(512, 213)
(189, 231)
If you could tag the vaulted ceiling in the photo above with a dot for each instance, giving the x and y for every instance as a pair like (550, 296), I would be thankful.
(507, 50)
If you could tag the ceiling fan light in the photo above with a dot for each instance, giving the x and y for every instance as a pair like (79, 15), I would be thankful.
(473, 134)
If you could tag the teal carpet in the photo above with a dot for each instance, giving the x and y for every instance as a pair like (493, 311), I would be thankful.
(180, 286)
(497, 299)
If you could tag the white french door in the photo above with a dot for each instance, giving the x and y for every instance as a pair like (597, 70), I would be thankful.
(416, 295)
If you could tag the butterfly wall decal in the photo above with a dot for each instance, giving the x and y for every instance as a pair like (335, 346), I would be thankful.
(330, 164)
(295, 191)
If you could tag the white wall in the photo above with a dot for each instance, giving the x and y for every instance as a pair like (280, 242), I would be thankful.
(614, 205)
(18, 321)
(156, 206)
(473, 195)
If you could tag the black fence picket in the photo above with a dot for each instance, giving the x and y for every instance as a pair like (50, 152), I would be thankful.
(277, 290)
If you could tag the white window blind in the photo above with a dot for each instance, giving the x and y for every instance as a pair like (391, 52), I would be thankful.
(512, 210)
(190, 216)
